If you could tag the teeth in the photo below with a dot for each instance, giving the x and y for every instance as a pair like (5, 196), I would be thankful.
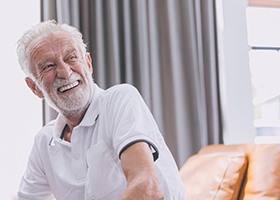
(67, 87)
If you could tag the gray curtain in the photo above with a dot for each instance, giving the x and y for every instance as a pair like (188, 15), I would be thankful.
(165, 48)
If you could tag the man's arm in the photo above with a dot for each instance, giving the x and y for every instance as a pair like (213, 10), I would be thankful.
(138, 166)
(34, 184)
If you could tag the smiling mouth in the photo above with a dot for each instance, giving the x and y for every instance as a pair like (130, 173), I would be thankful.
(68, 87)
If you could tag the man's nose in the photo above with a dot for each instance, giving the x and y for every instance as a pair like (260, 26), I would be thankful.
(63, 70)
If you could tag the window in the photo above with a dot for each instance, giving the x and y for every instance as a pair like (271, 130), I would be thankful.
(21, 111)
(264, 61)
(234, 74)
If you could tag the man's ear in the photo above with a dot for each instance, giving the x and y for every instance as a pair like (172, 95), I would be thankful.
(89, 61)
(32, 85)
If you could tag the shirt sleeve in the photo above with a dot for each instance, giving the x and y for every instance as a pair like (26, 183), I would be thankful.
(34, 184)
(131, 121)
(153, 148)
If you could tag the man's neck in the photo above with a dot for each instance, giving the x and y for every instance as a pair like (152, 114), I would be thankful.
(66, 133)
(74, 117)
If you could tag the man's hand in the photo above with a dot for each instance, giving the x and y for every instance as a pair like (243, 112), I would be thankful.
(138, 166)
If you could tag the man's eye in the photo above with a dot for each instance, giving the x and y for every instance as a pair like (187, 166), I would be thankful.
(72, 58)
(49, 66)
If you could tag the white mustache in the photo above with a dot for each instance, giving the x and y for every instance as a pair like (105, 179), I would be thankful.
(62, 82)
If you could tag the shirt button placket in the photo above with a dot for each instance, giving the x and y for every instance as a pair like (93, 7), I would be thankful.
(76, 156)
(77, 162)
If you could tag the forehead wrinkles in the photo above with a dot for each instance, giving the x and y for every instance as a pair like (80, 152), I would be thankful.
(34, 52)
(48, 48)
(64, 44)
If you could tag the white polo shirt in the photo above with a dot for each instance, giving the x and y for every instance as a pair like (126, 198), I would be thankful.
(89, 167)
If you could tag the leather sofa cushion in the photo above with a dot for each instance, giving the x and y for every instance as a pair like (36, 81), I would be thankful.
(263, 178)
(214, 175)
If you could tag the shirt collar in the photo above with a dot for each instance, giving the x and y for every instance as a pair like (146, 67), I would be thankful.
(93, 109)
(89, 119)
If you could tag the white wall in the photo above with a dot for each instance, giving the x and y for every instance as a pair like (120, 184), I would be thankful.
(20, 110)
(236, 89)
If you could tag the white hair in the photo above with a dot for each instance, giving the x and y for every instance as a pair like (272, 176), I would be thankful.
(42, 30)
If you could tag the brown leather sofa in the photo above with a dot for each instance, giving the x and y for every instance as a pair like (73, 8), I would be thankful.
(233, 172)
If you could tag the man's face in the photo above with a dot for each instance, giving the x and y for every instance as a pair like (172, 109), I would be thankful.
(62, 73)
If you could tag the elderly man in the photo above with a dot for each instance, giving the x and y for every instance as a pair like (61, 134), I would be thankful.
(104, 144)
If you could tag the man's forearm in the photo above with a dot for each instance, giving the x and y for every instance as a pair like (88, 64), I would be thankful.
(139, 169)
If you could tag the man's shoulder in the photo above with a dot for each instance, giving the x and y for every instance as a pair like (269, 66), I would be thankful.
(123, 89)
(46, 132)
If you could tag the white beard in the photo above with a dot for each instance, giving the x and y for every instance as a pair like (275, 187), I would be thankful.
(73, 103)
